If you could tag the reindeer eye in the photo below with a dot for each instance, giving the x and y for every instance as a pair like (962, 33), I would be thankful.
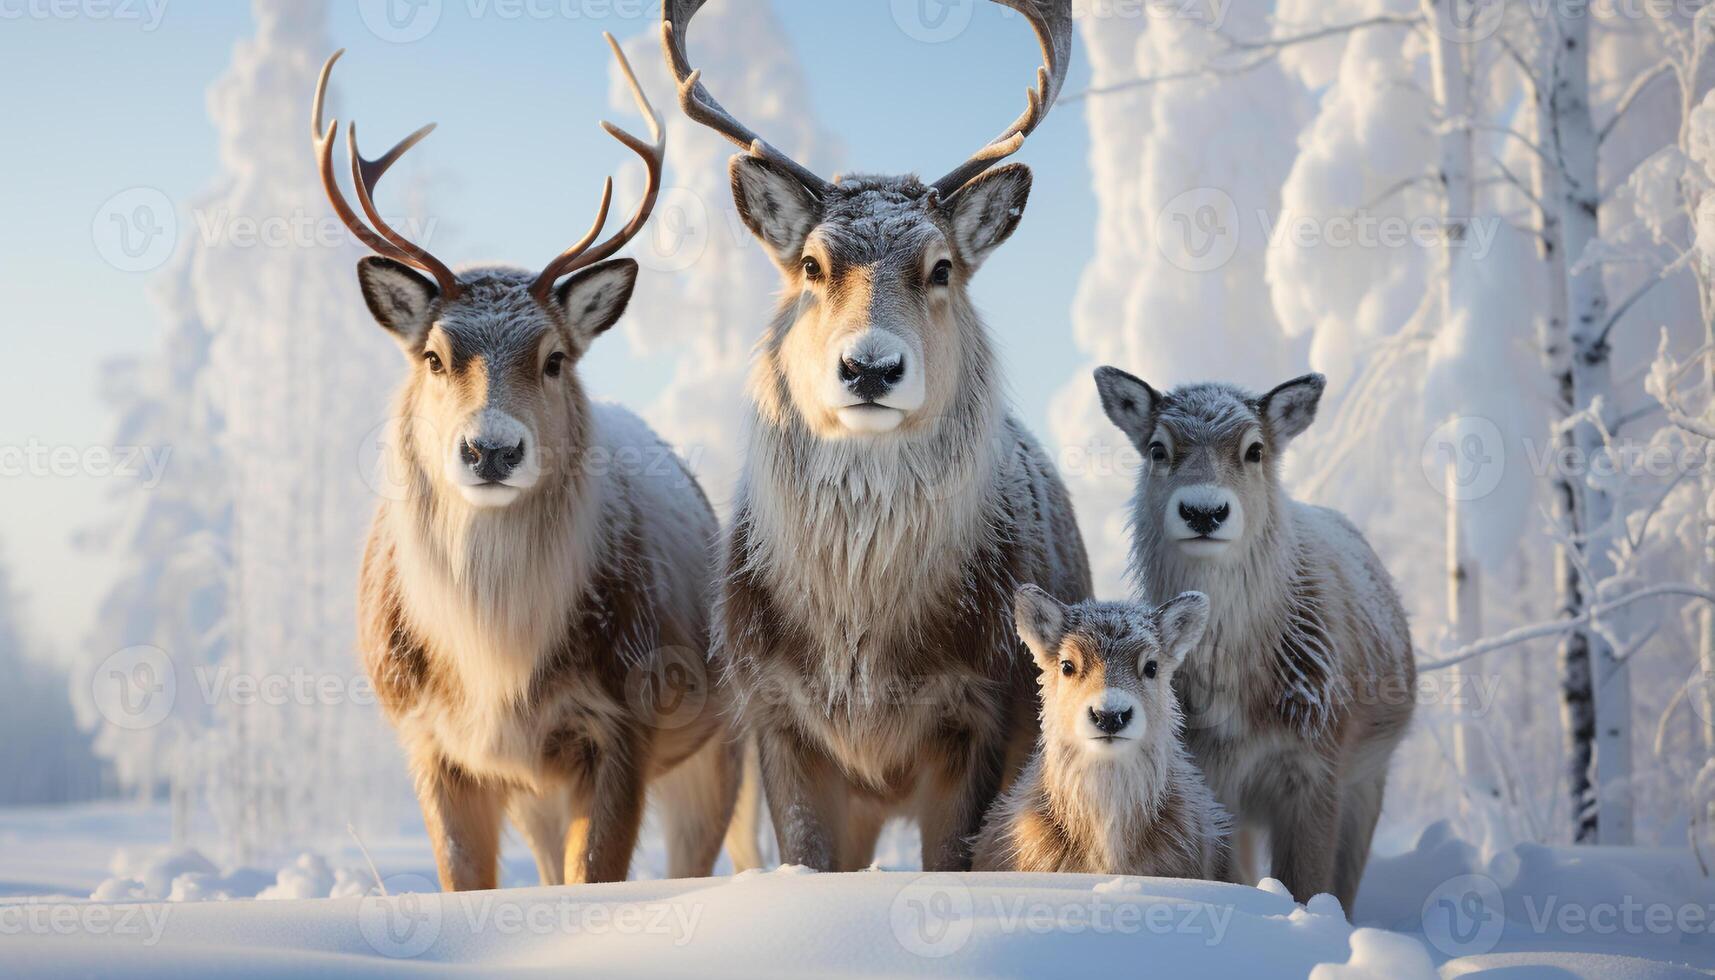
(942, 274)
(812, 268)
(1149, 670)
(1157, 452)
(433, 360)
(1068, 668)
(556, 361)
(1254, 453)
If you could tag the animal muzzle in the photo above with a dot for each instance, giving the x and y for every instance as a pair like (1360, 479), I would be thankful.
(1204, 513)
(494, 460)
(1112, 716)
(871, 380)
(1111, 722)
(876, 381)
(490, 460)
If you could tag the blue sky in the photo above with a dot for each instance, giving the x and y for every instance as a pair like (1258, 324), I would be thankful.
(99, 105)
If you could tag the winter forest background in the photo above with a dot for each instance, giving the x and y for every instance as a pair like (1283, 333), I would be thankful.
(1489, 224)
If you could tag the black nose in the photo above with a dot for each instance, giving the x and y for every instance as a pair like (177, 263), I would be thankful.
(1203, 520)
(491, 461)
(869, 379)
(1110, 722)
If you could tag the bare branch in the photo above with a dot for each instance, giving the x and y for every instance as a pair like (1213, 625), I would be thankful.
(1257, 53)
(1518, 184)
(1629, 301)
(1396, 188)
(1525, 634)
(1529, 143)
(1639, 84)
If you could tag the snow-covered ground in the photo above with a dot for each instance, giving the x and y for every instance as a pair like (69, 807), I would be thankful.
(1434, 909)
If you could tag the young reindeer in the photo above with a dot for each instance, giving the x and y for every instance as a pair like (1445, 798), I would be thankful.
(1304, 688)
(889, 503)
(1110, 789)
(520, 595)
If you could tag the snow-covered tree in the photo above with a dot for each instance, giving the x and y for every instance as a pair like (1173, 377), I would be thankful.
(241, 566)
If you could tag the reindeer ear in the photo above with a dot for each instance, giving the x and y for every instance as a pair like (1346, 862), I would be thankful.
(987, 210)
(1181, 623)
(1041, 622)
(398, 297)
(1291, 407)
(1129, 402)
(775, 207)
(595, 299)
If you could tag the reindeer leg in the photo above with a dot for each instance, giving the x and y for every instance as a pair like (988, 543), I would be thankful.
(695, 803)
(951, 814)
(463, 819)
(857, 838)
(1304, 834)
(541, 819)
(607, 813)
(806, 798)
(1361, 810)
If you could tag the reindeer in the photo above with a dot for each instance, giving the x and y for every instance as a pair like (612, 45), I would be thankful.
(1110, 789)
(889, 503)
(1304, 689)
(525, 595)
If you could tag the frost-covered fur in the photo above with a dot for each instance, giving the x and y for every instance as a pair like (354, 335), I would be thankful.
(1119, 799)
(865, 616)
(519, 638)
(1306, 681)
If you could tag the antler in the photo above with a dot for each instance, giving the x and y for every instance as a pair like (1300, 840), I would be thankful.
(580, 255)
(702, 108)
(366, 174)
(1052, 20)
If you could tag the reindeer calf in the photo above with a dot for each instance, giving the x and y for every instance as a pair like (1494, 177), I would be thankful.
(1304, 688)
(1110, 789)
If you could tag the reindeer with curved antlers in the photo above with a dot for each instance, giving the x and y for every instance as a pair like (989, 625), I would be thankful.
(526, 594)
(890, 503)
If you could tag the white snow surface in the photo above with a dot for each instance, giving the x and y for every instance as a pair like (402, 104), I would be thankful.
(1530, 911)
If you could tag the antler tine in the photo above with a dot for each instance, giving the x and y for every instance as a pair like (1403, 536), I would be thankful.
(1052, 21)
(654, 155)
(324, 141)
(701, 107)
(364, 172)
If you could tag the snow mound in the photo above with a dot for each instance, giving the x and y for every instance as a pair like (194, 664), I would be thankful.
(182, 875)
(884, 923)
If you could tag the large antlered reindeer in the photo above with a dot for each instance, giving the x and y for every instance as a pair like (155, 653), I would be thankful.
(525, 590)
(889, 503)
